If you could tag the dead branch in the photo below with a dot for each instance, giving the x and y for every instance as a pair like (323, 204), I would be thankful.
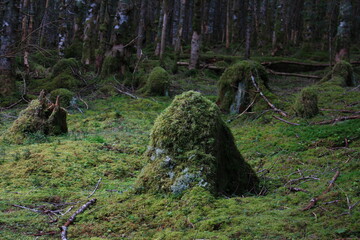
(96, 187)
(336, 120)
(283, 120)
(126, 93)
(64, 228)
(284, 114)
(87, 106)
(293, 74)
(293, 189)
(30, 209)
(339, 110)
(300, 179)
(202, 65)
(331, 185)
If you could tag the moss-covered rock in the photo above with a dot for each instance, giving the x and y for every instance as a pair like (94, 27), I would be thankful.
(65, 65)
(342, 74)
(191, 146)
(306, 104)
(38, 118)
(64, 94)
(236, 90)
(157, 84)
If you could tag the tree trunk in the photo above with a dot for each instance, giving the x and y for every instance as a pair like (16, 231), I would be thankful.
(88, 54)
(196, 37)
(9, 17)
(249, 23)
(344, 33)
(164, 29)
(141, 29)
(62, 37)
(159, 31)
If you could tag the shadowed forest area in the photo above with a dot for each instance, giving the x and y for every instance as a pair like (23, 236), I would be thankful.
(179, 119)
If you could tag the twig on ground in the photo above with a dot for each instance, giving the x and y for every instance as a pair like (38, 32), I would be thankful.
(96, 187)
(293, 189)
(64, 228)
(30, 209)
(314, 200)
(293, 74)
(300, 179)
(336, 120)
(126, 93)
(284, 114)
(87, 106)
(283, 120)
(339, 110)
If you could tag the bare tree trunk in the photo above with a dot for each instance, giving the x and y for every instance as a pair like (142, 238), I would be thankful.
(344, 33)
(141, 29)
(27, 24)
(62, 37)
(249, 23)
(8, 24)
(159, 31)
(44, 23)
(196, 37)
(88, 54)
(164, 29)
(180, 27)
(228, 23)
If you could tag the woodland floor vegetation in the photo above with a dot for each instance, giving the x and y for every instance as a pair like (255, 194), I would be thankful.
(108, 133)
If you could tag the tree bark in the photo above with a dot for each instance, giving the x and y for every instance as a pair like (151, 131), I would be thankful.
(344, 31)
(196, 37)
(141, 29)
(249, 23)
(164, 29)
(88, 54)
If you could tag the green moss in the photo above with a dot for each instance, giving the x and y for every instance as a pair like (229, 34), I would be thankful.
(64, 94)
(65, 65)
(110, 66)
(46, 58)
(63, 80)
(191, 146)
(74, 50)
(37, 118)
(236, 90)
(157, 84)
(306, 104)
(342, 74)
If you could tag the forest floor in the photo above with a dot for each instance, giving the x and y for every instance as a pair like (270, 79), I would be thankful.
(46, 179)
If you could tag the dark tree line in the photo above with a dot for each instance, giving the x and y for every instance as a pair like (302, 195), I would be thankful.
(99, 29)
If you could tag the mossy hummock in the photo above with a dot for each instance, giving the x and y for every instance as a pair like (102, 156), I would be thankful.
(157, 84)
(65, 96)
(191, 146)
(236, 90)
(38, 117)
(306, 104)
(342, 74)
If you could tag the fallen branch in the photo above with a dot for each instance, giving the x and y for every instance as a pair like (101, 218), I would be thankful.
(64, 228)
(300, 179)
(293, 189)
(293, 74)
(30, 209)
(96, 187)
(337, 120)
(331, 185)
(283, 120)
(284, 114)
(126, 93)
(339, 110)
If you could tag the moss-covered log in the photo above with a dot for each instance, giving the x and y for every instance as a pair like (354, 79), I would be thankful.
(236, 91)
(39, 117)
(191, 146)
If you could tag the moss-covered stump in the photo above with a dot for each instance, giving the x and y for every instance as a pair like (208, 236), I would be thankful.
(38, 118)
(306, 104)
(342, 74)
(157, 84)
(64, 94)
(191, 146)
(236, 90)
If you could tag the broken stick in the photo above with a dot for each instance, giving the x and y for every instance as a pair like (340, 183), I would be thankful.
(284, 114)
(64, 228)
(314, 200)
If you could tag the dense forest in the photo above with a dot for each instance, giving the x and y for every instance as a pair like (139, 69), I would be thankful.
(179, 119)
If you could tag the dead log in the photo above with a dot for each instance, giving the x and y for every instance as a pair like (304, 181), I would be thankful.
(64, 228)
(292, 74)
(284, 114)
(314, 200)
(336, 120)
(340, 110)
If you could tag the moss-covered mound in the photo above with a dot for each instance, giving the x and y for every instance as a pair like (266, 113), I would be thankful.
(38, 118)
(306, 104)
(157, 84)
(191, 146)
(66, 65)
(64, 94)
(236, 90)
(342, 74)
